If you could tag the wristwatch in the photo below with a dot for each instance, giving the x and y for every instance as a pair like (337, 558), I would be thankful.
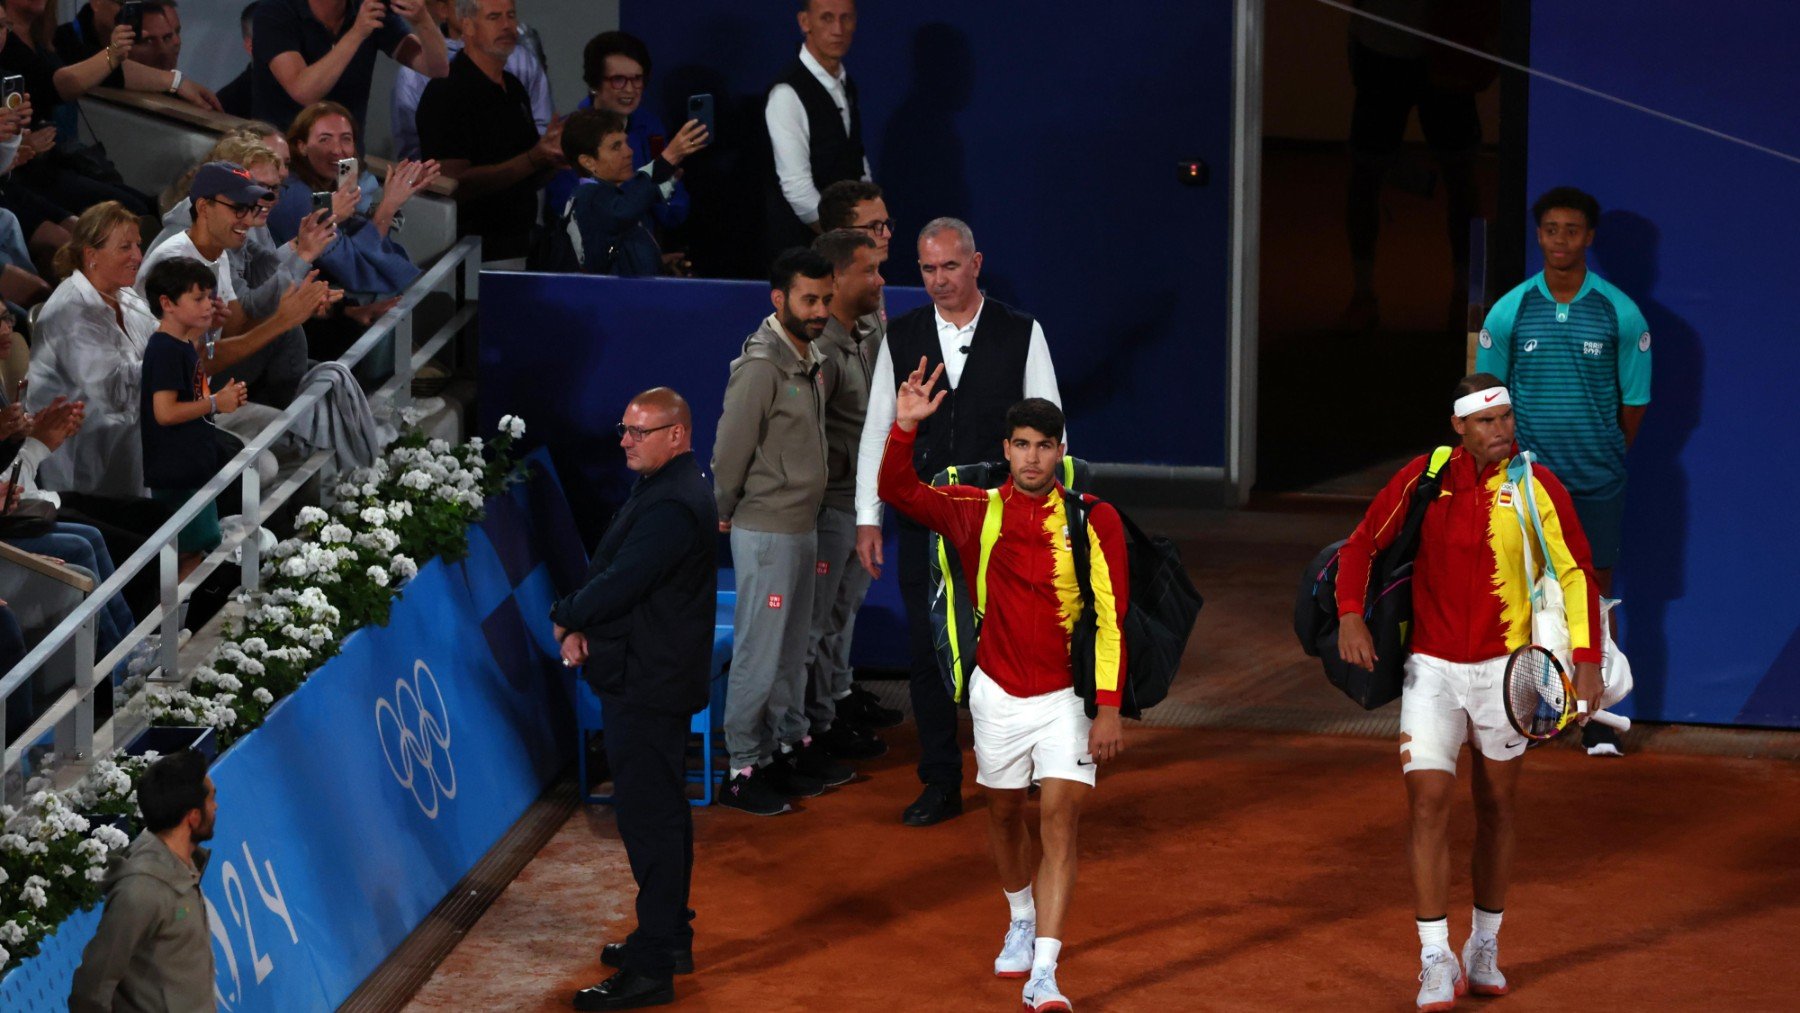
(214, 398)
(175, 80)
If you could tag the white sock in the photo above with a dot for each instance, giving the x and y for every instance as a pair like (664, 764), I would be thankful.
(1024, 909)
(1046, 953)
(1435, 932)
(1487, 923)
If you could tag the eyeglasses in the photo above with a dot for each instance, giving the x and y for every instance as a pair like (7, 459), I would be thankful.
(877, 227)
(637, 433)
(620, 82)
(243, 211)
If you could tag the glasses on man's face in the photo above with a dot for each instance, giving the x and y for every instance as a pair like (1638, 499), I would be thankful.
(637, 433)
(878, 227)
(620, 82)
(242, 212)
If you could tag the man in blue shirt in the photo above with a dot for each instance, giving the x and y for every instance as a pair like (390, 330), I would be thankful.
(1575, 353)
(305, 51)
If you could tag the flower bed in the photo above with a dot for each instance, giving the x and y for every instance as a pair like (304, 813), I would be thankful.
(342, 570)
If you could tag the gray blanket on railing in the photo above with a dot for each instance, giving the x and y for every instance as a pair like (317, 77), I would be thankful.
(341, 421)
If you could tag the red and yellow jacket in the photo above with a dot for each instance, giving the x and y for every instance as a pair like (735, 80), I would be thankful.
(1033, 598)
(1471, 594)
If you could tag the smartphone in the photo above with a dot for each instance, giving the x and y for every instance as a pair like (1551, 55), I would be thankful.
(700, 107)
(19, 391)
(131, 12)
(321, 199)
(346, 172)
(12, 485)
(12, 90)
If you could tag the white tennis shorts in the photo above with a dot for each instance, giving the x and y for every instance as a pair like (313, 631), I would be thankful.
(1445, 704)
(1018, 738)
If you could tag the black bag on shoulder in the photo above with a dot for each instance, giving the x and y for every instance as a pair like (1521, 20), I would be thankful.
(1159, 615)
(1387, 606)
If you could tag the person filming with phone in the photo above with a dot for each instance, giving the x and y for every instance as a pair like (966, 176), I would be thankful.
(1471, 596)
(608, 218)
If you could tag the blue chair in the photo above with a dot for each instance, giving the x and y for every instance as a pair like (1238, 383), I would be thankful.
(704, 724)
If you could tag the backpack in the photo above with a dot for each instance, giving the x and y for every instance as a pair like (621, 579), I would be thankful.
(1387, 608)
(1159, 615)
(957, 605)
(552, 246)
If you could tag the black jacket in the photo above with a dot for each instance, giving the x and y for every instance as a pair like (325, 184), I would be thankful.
(648, 603)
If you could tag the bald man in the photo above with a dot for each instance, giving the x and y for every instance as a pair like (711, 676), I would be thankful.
(641, 627)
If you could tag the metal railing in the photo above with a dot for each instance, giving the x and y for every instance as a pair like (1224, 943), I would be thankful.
(71, 714)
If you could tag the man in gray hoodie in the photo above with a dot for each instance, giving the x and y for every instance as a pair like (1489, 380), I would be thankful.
(769, 479)
(153, 950)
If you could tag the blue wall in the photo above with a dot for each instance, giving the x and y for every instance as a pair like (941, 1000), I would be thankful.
(1701, 232)
(1054, 130)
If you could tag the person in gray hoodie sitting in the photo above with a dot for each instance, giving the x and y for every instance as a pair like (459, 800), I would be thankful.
(768, 479)
(153, 949)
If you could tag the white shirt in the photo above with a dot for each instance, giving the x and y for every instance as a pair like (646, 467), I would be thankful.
(409, 84)
(1040, 381)
(80, 352)
(181, 244)
(791, 136)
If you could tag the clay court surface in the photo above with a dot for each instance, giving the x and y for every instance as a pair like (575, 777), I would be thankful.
(1223, 868)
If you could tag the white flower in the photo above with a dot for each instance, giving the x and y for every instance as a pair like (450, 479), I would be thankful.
(412, 416)
(415, 479)
(95, 873)
(512, 426)
(310, 515)
(294, 567)
(12, 933)
(404, 568)
(400, 508)
(374, 516)
(474, 444)
(438, 446)
(334, 533)
(33, 891)
(112, 837)
(378, 575)
(262, 696)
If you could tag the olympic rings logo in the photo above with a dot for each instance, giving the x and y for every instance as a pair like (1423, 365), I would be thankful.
(418, 743)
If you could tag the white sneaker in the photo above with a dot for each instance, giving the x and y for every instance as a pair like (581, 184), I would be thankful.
(1042, 995)
(1016, 953)
(1481, 965)
(1440, 980)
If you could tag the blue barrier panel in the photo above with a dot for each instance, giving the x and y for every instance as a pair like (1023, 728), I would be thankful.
(568, 352)
(374, 788)
(1709, 620)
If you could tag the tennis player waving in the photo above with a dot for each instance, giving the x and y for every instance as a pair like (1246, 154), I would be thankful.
(1029, 722)
(1471, 609)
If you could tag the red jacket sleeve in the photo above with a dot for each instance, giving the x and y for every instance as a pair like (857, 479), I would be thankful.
(1109, 573)
(1378, 529)
(954, 511)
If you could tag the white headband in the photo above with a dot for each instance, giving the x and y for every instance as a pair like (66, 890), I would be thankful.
(1469, 404)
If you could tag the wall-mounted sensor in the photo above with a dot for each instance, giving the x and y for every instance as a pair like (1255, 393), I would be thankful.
(1193, 172)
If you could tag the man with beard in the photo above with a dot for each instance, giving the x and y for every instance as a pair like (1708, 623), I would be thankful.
(153, 949)
(769, 468)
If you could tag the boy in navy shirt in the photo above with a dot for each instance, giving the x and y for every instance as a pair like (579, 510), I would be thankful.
(607, 218)
(176, 395)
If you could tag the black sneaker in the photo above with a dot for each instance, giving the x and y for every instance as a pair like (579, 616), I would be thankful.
(862, 707)
(787, 779)
(847, 740)
(754, 794)
(812, 761)
(1600, 740)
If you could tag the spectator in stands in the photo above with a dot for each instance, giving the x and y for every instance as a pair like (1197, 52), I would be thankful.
(524, 64)
(616, 67)
(262, 269)
(158, 42)
(238, 97)
(176, 395)
(476, 122)
(89, 346)
(815, 126)
(20, 283)
(95, 32)
(308, 51)
(608, 218)
(44, 226)
(153, 949)
(366, 260)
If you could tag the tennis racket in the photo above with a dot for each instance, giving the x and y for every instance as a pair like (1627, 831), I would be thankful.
(1540, 698)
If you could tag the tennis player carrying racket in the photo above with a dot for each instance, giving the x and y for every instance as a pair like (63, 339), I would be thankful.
(1471, 608)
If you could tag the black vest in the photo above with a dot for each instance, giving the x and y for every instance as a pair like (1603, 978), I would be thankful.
(834, 154)
(971, 423)
(659, 656)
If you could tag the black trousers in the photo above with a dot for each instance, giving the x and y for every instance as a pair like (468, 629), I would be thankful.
(647, 751)
(940, 755)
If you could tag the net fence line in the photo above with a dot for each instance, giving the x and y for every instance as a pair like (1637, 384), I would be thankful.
(1544, 75)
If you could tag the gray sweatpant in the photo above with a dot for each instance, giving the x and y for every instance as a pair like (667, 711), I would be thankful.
(841, 586)
(766, 698)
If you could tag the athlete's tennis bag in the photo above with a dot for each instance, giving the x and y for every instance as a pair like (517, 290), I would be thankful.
(1159, 615)
(1387, 607)
(956, 603)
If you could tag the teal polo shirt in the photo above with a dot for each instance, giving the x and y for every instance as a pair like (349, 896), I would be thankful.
(1569, 367)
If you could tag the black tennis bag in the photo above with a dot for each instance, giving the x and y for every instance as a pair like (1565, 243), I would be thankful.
(1387, 606)
(1159, 616)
